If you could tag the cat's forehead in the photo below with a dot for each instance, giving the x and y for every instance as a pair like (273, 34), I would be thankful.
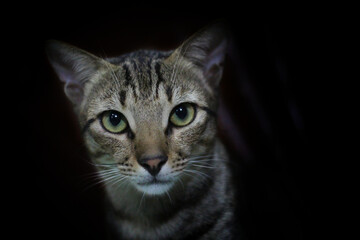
(142, 57)
(143, 82)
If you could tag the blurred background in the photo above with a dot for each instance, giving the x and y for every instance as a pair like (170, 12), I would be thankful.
(263, 116)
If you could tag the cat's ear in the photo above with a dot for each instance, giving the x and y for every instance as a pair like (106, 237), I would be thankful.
(206, 50)
(74, 67)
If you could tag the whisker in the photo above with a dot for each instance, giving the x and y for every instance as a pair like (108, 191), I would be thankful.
(142, 197)
(181, 182)
(95, 175)
(167, 193)
(203, 155)
(187, 174)
(103, 164)
(104, 173)
(118, 180)
(202, 161)
(178, 169)
(126, 178)
(195, 176)
(197, 172)
(208, 159)
(200, 157)
(102, 177)
(203, 166)
(109, 177)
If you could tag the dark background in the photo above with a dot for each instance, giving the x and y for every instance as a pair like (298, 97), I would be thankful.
(264, 119)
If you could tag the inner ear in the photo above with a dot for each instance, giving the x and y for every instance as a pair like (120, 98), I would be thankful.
(213, 75)
(74, 67)
(74, 92)
(214, 65)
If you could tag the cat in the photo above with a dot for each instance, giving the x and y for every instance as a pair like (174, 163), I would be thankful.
(149, 124)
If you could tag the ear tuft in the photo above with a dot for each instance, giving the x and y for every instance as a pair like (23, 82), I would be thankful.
(74, 67)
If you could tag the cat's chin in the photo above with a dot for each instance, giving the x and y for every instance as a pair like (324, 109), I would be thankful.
(154, 188)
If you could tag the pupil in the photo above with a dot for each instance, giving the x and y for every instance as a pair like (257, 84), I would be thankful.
(181, 112)
(114, 119)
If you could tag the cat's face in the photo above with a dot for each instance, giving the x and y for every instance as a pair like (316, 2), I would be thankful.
(151, 127)
(148, 117)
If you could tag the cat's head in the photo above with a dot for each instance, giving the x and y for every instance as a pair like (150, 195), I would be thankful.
(148, 116)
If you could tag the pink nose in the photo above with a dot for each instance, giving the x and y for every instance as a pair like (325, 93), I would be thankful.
(153, 165)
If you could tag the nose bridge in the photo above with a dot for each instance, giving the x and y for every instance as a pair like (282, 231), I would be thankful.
(150, 141)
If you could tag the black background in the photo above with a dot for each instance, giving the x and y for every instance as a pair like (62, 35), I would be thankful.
(265, 119)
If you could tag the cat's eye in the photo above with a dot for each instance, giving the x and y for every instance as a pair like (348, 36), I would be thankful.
(182, 114)
(114, 122)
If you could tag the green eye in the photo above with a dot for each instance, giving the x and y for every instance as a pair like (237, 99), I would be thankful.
(182, 115)
(114, 122)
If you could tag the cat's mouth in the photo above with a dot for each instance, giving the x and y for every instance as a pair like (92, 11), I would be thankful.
(154, 186)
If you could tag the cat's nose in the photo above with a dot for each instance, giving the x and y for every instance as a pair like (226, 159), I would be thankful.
(153, 164)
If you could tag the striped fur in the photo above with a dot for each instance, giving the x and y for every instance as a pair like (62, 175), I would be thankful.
(192, 197)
